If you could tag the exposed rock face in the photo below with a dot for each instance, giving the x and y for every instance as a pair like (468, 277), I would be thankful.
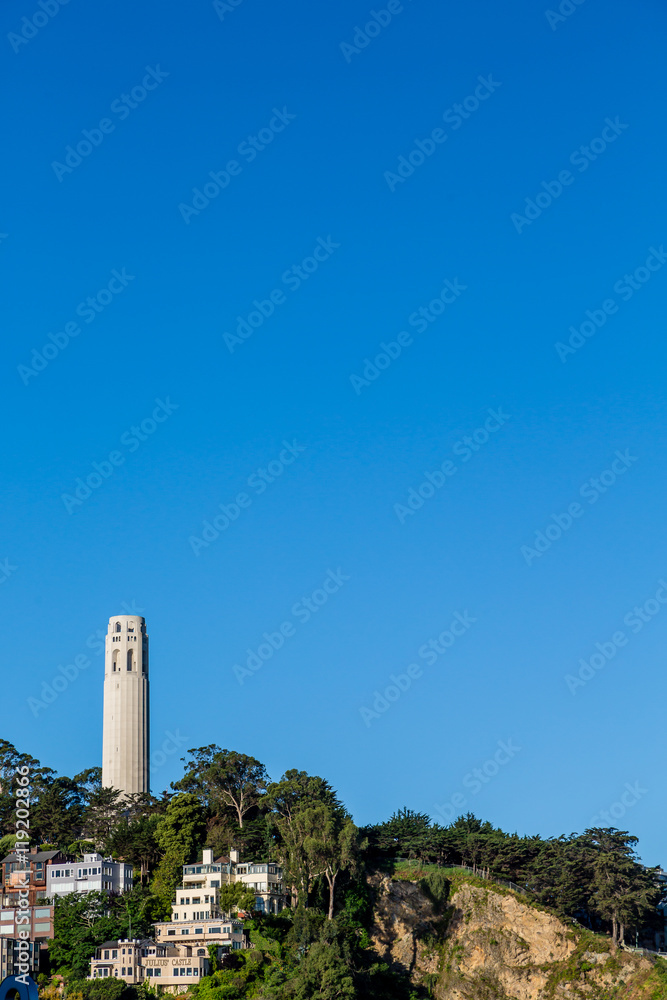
(489, 944)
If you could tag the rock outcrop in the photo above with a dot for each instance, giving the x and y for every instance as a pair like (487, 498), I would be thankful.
(488, 943)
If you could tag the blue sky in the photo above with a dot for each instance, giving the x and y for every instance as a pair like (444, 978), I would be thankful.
(534, 200)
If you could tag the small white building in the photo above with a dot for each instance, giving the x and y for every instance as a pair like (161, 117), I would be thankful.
(94, 874)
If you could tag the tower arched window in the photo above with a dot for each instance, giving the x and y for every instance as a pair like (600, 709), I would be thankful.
(130, 661)
(117, 626)
(116, 665)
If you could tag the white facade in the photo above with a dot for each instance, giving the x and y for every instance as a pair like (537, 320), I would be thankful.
(265, 879)
(93, 874)
(126, 728)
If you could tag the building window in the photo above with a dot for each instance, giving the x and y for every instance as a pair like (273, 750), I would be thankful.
(129, 659)
(171, 933)
(117, 626)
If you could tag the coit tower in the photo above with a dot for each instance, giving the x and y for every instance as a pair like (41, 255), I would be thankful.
(126, 744)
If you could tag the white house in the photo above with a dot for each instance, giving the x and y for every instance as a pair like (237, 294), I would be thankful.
(265, 879)
(94, 874)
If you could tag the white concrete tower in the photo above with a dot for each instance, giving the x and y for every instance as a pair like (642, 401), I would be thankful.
(126, 730)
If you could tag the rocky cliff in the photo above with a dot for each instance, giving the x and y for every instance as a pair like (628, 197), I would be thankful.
(485, 942)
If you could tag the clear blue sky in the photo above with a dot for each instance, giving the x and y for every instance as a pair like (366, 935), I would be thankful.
(331, 122)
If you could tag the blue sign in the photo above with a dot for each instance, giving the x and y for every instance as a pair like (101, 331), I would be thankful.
(23, 985)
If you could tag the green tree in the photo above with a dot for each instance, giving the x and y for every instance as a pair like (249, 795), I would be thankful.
(289, 800)
(325, 974)
(56, 814)
(224, 779)
(179, 833)
(166, 877)
(330, 842)
(183, 825)
(87, 782)
(236, 896)
(7, 844)
(99, 989)
(104, 808)
(623, 890)
(81, 923)
(136, 841)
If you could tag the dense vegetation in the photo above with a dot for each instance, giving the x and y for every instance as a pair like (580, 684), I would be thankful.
(226, 799)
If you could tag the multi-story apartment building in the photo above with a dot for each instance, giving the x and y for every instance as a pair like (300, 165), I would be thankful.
(12, 956)
(13, 875)
(198, 920)
(39, 924)
(94, 873)
(265, 878)
(123, 960)
(172, 967)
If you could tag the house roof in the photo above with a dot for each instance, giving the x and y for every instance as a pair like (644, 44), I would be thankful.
(39, 856)
(141, 943)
